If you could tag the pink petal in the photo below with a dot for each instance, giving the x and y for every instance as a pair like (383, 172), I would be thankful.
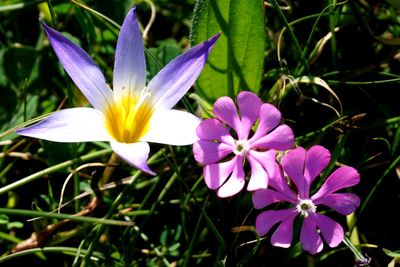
(344, 203)
(293, 165)
(235, 182)
(317, 159)
(81, 68)
(281, 138)
(263, 198)
(206, 152)
(266, 158)
(259, 176)
(331, 231)
(309, 237)
(280, 184)
(267, 219)
(175, 79)
(249, 107)
(135, 154)
(270, 117)
(70, 125)
(214, 130)
(284, 233)
(130, 64)
(225, 110)
(341, 178)
(216, 174)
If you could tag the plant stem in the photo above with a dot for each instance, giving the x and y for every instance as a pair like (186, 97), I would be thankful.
(52, 169)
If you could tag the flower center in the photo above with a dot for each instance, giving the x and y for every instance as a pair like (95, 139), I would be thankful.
(305, 206)
(241, 148)
(127, 119)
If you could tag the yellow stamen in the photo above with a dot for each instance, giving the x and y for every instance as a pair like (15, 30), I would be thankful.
(128, 119)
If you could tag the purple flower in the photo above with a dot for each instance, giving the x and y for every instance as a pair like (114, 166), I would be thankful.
(133, 113)
(216, 143)
(302, 167)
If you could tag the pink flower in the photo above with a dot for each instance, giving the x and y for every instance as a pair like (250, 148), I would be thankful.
(216, 143)
(302, 167)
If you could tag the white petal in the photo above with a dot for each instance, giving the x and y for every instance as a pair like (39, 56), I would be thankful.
(70, 125)
(172, 127)
(135, 154)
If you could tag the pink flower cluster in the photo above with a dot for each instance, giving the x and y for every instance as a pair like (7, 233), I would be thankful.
(252, 133)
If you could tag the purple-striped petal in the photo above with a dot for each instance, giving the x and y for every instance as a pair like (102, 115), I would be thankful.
(216, 174)
(225, 110)
(281, 138)
(207, 152)
(293, 165)
(341, 178)
(172, 127)
(317, 159)
(270, 117)
(249, 107)
(70, 125)
(284, 233)
(81, 68)
(344, 203)
(235, 182)
(130, 64)
(331, 231)
(214, 130)
(135, 154)
(175, 79)
(309, 237)
(267, 219)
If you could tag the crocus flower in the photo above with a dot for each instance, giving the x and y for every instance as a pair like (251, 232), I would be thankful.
(258, 148)
(133, 113)
(302, 167)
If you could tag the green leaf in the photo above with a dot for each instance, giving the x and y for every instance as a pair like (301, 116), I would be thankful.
(236, 61)
(20, 63)
(20, 114)
(390, 253)
(3, 219)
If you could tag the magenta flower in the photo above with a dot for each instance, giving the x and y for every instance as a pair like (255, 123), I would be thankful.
(217, 144)
(133, 113)
(302, 167)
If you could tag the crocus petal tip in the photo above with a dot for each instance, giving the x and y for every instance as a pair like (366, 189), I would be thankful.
(214, 38)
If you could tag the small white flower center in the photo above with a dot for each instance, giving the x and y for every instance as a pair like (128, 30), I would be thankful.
(306, 206)
(241, 148)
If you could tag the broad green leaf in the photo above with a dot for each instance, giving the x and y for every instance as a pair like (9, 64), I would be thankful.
(20, 62)
(236, 61)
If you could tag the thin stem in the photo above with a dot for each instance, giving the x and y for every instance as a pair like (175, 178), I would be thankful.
(52, 169)
(392, 166)
(353, 249)
(114, 205)
(62, 216)
(290, 31)
(335, 82)
(116, 25)
(53, 16)
(64, 250)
